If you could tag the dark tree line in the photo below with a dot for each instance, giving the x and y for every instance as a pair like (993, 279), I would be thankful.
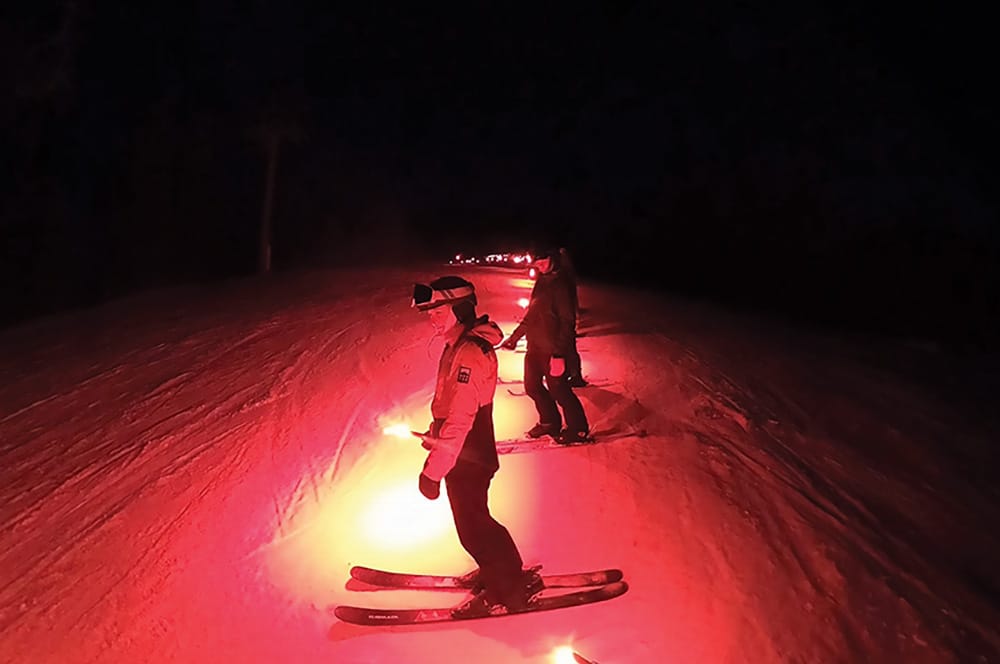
(795, 159)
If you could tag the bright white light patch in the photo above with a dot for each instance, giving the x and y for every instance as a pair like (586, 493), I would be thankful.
(563, 655)
(400, 430)
(399, 517)
(523, 303)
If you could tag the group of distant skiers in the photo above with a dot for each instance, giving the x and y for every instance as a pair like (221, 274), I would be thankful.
(461, 437)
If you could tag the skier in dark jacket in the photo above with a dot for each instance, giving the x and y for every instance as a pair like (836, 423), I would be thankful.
(574, 367)
(462, 444)
(550, 325)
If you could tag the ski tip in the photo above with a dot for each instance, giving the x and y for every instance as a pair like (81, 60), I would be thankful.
(348, 614)
(616, 589)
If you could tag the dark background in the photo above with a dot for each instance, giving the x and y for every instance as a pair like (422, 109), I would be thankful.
(830, 162)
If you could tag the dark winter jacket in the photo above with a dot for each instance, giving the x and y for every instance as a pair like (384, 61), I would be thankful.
(463, 401)
(550, 322)
(568, 271)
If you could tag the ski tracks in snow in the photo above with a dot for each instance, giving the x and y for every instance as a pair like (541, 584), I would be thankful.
(155, 415)
(823, 507)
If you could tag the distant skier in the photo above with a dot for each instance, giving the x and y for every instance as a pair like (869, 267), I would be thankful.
(549, 325)
(463, 445)
(574, 368)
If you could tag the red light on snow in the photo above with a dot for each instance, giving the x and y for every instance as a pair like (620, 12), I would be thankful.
(510, 367)
(521, 282)
(372, 513)
(523, 303)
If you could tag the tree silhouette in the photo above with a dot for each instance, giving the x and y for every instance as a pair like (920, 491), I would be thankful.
(273, 129)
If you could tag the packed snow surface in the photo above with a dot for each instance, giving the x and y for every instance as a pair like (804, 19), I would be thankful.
(188, 475)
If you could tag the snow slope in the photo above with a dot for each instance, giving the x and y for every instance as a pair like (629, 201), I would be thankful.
(187, 476)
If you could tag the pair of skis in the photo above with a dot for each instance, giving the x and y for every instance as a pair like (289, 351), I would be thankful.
(592, 587)
(526, 444)
(594, 382)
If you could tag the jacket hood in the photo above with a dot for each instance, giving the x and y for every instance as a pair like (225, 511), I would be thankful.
(487, 330)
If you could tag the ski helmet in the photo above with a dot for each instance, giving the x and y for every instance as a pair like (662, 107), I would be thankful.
(457, 292)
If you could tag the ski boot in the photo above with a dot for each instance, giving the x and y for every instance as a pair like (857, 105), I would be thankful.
(543, 429)
(486, 603)
(570, 437)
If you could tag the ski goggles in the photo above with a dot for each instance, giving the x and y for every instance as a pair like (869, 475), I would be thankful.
(425, 297)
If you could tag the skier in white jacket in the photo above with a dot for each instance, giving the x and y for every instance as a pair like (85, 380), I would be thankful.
(462, 444)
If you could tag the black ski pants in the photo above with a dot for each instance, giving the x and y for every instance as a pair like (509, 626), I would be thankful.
(487, 541)
(536, 367)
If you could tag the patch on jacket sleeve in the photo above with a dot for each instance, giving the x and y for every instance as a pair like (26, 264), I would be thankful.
(464, 373)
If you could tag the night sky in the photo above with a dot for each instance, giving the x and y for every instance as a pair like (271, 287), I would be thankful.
(830, 162)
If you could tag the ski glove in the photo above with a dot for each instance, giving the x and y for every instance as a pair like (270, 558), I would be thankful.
(429, 487)
(429, 438)
(510, 343)
(426, 441)
(557, 366)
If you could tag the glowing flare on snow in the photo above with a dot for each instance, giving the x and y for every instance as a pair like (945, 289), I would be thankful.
(400, 430)
(565, 655)
(523, 303)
